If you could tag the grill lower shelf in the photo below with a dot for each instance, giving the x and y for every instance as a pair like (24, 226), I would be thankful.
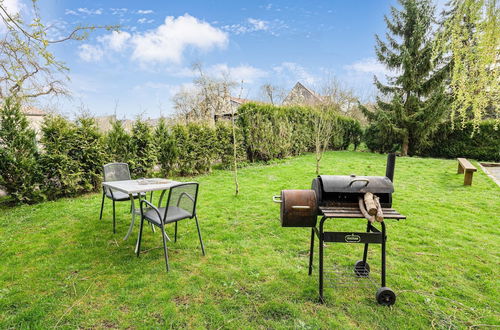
(345, 276)
(354, 212)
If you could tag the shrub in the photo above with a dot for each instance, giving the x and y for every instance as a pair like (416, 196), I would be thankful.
(197, 148)
(274, 132)
(117, 143)
(166, 147)
(89, 153)
(378, 141)
(143, 150)
(351, 132)
(225, 144)
(458, 142)
(19, 170)
(62, 175)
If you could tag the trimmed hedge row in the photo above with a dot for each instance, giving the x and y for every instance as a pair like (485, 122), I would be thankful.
(71, 154)
(459, 142)
(271, 132)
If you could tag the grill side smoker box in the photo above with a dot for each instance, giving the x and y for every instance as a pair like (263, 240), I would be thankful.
(336, 197)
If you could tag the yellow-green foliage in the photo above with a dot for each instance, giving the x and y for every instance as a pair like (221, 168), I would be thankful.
(471, 34)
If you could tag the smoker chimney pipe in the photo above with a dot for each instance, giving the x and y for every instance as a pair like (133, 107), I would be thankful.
(391, 163)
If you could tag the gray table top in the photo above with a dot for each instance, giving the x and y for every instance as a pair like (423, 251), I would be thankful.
(135, 186)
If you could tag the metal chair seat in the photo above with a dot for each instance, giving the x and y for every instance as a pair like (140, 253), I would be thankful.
(174, 214)
(119, 196)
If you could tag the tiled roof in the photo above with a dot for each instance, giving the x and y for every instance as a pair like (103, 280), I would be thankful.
(32, 111)
(239, 100)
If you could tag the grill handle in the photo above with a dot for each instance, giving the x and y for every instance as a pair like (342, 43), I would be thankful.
(277, 199)
(301, 207)
(361, 179)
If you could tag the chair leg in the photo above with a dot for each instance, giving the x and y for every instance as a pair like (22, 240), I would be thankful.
(199, 235)
(175, 234)
(140, 236)
(114, 220)
(131, 201)
(102, 204)
(163, 236)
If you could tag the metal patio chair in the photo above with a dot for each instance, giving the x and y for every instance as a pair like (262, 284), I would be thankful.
(116, 172)
(180, 205)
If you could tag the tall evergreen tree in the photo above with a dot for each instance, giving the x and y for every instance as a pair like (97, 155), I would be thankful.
(118, 143)
(143, 149)
(414, 99)
(19, 170)
(167, 149)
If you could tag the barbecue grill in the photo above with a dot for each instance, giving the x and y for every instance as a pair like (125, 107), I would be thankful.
(341, 197)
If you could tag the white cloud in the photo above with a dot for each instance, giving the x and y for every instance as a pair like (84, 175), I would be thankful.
(251, 25)
(118, 11)
(169, 41)
(258, 24)
(245, 73)
(144, 20)
(367, 65)
(145, 12)
(84, 11)
(13, 7)
(116, 40)
(90, 53)
(290, 71)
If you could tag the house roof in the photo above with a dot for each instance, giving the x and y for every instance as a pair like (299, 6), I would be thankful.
(239, 100)
(32, 111)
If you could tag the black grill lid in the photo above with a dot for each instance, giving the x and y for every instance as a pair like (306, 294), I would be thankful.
(356, 184)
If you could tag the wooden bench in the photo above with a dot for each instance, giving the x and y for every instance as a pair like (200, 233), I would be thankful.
(465, 166)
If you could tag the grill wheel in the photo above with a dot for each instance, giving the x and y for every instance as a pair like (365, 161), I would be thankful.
(385, 296)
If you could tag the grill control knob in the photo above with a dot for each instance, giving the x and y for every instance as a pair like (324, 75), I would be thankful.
(353, 175)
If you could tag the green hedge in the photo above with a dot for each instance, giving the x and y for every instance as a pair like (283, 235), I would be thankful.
(459, 142)
(271, 132)
(73, 153)
(72, 157)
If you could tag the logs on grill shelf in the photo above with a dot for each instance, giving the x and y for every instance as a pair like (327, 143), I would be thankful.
(370, 208)
(380, 215)
(362, 208)
(370, 205)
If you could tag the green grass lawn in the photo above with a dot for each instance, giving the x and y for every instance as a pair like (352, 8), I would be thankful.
(60, 266)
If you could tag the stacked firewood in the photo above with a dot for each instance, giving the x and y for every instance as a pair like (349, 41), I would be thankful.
(370, 207)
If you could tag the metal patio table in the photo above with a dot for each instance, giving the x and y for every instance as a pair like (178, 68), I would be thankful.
(131, 187)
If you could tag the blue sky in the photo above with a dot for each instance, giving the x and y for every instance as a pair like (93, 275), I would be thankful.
(278, 42)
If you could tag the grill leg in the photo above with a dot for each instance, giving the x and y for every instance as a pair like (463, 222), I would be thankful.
(311, 252)
(384, 238)
(321, 299)
(365, 252)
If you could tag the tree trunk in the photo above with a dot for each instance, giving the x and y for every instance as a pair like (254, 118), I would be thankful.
(404, 147)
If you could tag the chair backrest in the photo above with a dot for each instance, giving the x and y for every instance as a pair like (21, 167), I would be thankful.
(183, 196)
(115, 172)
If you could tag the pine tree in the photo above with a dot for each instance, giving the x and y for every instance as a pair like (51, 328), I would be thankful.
(19, 170)
(416, 90)
(166, 144)
(143, 149)
(118, 143)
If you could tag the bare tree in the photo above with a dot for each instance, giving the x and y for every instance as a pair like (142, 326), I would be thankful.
(272, 94)
(27, 67)
(209, 97)
(323, 124)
